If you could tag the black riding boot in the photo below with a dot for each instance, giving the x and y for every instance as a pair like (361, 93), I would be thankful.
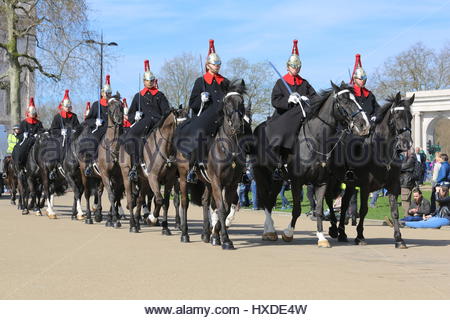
(89, 170)
(192, 176)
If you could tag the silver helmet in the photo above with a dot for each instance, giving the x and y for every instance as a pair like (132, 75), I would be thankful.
(358, 71)
(66, 100)
(148, 75)
(213, 57)
(31, 109)
(294, 59)
(125, 106)
(107, 86)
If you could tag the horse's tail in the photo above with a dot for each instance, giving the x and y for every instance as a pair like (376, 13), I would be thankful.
(196, 190)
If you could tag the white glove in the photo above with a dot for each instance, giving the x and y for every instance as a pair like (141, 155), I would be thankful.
(373, 119)
(64, 132)
(304, 98)
(205, 97)
(138, 116)
(294, 98)
(25, 135)
(35, 135)
(98, 122)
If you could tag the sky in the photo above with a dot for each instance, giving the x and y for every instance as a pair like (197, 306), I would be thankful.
(330, 33)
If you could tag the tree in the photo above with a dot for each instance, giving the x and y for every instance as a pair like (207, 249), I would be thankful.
(259, 80)
(177, 78)
(57, 29)
(418, 68)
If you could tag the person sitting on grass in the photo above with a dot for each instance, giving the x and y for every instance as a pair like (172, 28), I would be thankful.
(439, 218)
(418, 208)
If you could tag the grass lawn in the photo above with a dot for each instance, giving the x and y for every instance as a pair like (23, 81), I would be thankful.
(382, 208)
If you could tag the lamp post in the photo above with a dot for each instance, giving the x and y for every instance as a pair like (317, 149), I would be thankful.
(101, 44)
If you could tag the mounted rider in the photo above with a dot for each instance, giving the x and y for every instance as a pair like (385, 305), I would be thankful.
(147, 108)
(29, 128)
(97, 121)
(291, 108)
(206, 103)
(370, 106)
(65, 119)
(126, 122)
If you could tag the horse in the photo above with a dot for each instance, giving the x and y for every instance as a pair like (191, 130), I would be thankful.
(108, 160)
(158, 168)
(380, 168)
(47, 155)
(226, 162)
(11, 177)
(335, 113)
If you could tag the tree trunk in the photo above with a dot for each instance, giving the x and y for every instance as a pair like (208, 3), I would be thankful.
(14, 66)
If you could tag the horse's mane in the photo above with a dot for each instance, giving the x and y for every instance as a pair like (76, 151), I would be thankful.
(318, 101)
(238, 85)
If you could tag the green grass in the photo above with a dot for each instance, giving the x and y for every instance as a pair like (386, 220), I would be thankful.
(382, 209)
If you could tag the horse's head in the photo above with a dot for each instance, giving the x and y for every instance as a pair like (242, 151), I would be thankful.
(115, 109)
(400, 122)
(234, 109)
(181, 113)
(349, 110)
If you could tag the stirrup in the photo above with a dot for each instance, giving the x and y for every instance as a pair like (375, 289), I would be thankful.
(280, 173)
(132, 174)
(61, 170)
(52, 175)
(89, 171)
(350, 176)
(192, 176)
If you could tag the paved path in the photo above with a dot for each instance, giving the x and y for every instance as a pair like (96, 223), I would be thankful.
(63, 259)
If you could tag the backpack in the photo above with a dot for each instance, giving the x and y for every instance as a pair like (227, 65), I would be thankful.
(418, 172)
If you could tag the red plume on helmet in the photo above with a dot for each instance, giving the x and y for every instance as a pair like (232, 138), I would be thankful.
(31, 108)
(146, 66)
(66, 100)
(107, 86)
(211, 49)
(295, 47)
(357, 65)
(88, 108)
(108, 79)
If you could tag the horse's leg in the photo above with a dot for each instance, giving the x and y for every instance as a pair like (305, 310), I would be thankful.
(399, 242)
(263, 178)
(26, 192)
(165, 225)
(112, 215)
(134, 225)
(231, 200)
(216, 192)
(320, 194)
(364, 198)
(98, 201)
(209, 223)
(333, 230)
(345, 202)
(176, 203)
(48, 197)
(183, 170)
(157, 200)
(296, 187)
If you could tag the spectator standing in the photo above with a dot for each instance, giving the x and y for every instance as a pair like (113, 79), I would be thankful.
(436, 166)
(422, 158)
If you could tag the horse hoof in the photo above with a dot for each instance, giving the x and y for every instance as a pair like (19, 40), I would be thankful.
(353, 223)
(80, 218)
(89, 221)
(52, 216)
(98, 218)
(360, 242)
(24, 212)
(38, 214)
(117, 225)
(332, 232)
(400, 245)
(13, 202)
(228, 246)
(185, 239)
(108, 224)
(134, 230)
(215, 241)
(270, 236)
(342, 238)
(206, 238)
(166, 232)
(323, 244)
(286, 238)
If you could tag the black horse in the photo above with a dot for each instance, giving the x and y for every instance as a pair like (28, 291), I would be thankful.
(335, 113)
(378, 167)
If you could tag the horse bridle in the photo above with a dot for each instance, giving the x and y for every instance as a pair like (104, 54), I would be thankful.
(242, 115)
(344, 112)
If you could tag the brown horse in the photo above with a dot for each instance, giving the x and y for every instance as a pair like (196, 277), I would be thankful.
(226, 163)
(158, 169)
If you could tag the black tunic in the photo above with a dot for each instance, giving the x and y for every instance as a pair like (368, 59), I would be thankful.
(59, 123)
(153, 108)
(369, 104)
(197, 132)
(281, 129)
(22, 148)
(92, 116)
